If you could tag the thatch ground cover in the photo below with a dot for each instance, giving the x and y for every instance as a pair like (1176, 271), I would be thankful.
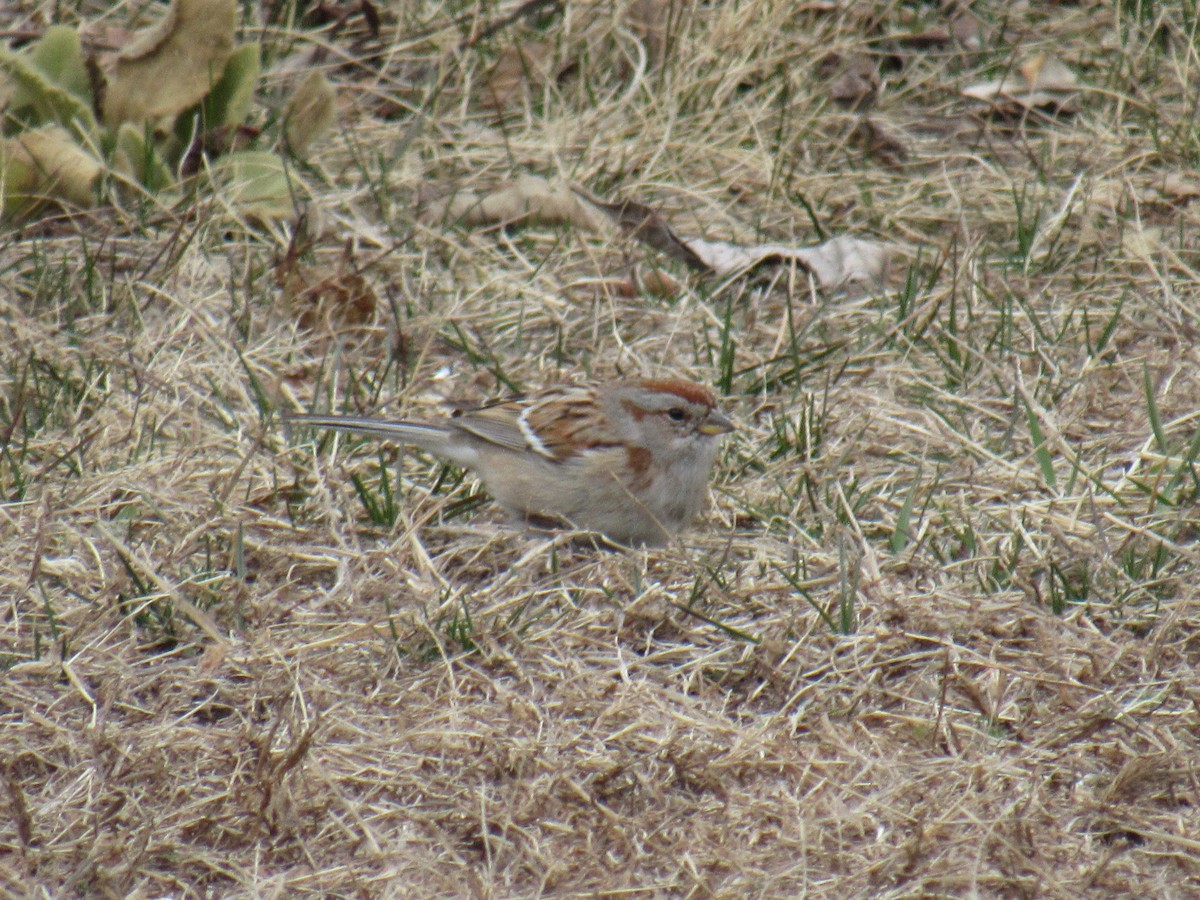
(938, 634)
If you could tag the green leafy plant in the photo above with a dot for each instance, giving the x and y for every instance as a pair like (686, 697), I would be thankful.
(163, 116)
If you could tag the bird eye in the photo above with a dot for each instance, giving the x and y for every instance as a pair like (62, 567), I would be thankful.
(676, 414)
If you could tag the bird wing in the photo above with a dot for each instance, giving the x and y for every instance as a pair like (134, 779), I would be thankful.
(556, 423)
(500, 425)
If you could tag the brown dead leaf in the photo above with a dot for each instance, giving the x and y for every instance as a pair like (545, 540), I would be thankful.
(533, 199)
(172, 66)
(528, 199)
(657, 283)
(855, 79)
(1040, 82)
(648, 226)
(1142, 241)
(652, 283)
(1044, 72)
(521, 68)
(603, 288)
(926, 38)
(963, 28)
(879, 140)
(968, 29)
(838, 262)
(212, 658)
(1179, 188)
(324, 300)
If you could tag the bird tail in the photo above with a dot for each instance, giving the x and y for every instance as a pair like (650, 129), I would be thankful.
(428, 437)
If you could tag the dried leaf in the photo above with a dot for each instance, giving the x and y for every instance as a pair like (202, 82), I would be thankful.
(1142, 241)
(654, 283)
(657, 283)
(936, 36)
(172, 66)
(968, 30)
(855, 79)
(529, 199)
(326, 300)
(212, 658)
(841, 261)
(310, 111)
(836, 263)
(521, 67)
(1179, 187)
(1041, 82)
(1048, 73)
(648, 226)
(964, 28)
(880, 140)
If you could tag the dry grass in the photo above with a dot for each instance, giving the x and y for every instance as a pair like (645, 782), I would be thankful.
(938, 635)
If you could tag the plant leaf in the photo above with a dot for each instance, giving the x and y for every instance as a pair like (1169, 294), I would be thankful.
(310, 111)
(258, 184)
(137, 157)
(1040, 82)
(172, 66)
(43, 165)
(839, 261)
(37, 94)
(59, 54)
(228, 103)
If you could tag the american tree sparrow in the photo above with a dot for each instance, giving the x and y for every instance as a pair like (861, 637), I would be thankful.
(628, 459)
